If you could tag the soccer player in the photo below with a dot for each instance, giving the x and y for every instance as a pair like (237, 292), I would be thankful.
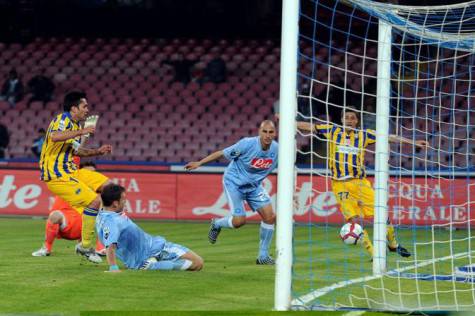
(353, 191)
(135, 248)
(76, 187)
(66, 222)
(252, 159)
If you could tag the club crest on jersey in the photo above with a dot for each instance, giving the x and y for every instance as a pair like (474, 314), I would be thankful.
(106, 232)
(261, 163)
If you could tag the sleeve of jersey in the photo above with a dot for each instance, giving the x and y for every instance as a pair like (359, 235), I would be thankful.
(324, 129)
(234, 151)
(110, 234)
(370, 137)
(62, 124)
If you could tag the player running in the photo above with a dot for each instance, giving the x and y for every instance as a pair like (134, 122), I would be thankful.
(252, 159)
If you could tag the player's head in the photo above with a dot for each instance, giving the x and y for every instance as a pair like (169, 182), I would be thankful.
(75, 102)
(267, 132)
(89, 165)
(349, 117)
(113, 197)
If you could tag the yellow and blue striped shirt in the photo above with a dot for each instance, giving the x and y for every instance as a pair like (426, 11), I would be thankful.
(57, 157)
(346, 150)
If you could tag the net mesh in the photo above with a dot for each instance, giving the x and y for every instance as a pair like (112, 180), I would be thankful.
(430, 188)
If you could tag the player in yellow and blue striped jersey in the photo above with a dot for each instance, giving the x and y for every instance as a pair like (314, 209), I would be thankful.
(77, 187)
(352, 189)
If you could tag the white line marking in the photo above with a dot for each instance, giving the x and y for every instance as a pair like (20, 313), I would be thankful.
(307, 298)
(354, 313)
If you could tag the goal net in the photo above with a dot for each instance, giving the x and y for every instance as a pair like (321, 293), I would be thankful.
(430, 183)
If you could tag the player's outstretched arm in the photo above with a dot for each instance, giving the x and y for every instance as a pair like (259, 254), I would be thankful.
(101, 151)
(398, 139)
(111, 260)
(196, 164)
(303, 126)
(61, 136)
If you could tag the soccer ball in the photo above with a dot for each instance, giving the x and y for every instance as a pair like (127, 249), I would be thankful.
(351, 233)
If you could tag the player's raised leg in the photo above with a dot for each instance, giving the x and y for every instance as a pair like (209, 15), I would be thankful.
(236, 219)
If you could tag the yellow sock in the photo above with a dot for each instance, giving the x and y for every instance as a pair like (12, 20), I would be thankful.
(88, 223)
(391, 236)
(367, 243)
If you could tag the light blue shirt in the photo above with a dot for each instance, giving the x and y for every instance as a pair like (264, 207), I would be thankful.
(249, 163)
(134, 246)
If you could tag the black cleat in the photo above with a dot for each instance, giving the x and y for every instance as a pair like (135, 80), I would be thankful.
(213, 232)
(265, 261)
(400, 250)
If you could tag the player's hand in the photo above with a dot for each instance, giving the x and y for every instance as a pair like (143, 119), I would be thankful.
(105, 149)
(192, 165)
(88, 130)
(422, 143)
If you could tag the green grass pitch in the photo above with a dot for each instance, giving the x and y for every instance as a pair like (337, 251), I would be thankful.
(64, 283)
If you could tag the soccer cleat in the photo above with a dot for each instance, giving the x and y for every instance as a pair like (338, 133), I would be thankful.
(42, 252)
(265, 261)
(213, 232)
(400, 250)
(89, 254)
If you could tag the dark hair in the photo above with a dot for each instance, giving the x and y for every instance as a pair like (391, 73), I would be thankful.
(87, 164)
(71, 99)
(349, 109)
(110, 193)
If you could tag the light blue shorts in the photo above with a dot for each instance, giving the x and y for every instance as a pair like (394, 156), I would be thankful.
(256, 196)
(172, 251)
(169, 252)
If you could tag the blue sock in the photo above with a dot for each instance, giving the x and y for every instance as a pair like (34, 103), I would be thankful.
(180, 264)
(265, 235)
(225, 222)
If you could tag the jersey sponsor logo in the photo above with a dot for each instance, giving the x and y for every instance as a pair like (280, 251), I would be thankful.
(261, 163)
(348, 149)
(61, 125)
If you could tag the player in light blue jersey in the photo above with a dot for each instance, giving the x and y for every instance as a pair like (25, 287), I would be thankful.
(135, 248)
(252, 159)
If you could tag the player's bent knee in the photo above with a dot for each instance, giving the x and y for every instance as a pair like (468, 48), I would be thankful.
(239, 221)
(270, 219)
(197, 264)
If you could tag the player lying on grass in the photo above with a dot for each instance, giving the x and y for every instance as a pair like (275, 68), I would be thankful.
(65, 222)
(252, 159)
(125, 240)
(352, 189)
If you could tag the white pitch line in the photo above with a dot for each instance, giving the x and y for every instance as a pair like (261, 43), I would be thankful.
(354, 313)
(305, 299)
